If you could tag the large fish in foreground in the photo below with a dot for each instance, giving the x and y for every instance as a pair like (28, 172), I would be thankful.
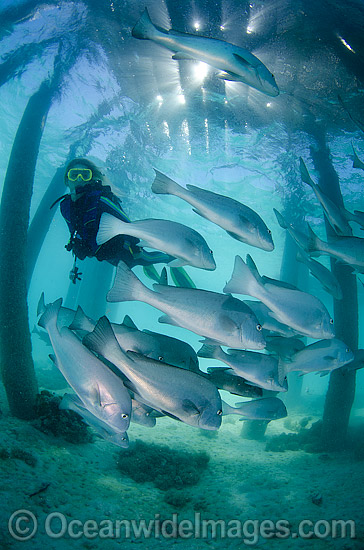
(215, 316)
(100, 390)
(300, 310)
(240, 221)
(180, 393)
(236, 63)
(176, 239)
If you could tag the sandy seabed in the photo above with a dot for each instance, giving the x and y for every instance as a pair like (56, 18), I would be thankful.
(242, 482)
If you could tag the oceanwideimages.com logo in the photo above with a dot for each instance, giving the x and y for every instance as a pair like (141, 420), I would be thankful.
(23, 525)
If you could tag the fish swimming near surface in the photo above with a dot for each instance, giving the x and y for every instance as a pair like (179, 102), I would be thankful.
(267, 408)
(349, 250)
(324, 355)
(74, 403)
(151, 344)
(180, 393)
(327, 279)
(176, 239)
(100, 390)
(300, 310)
(236, 63)
(257, 368)
(335, 214)
(217, 317)
(238, 220)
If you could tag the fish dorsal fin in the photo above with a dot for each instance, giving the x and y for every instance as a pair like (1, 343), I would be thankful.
(179, 56)
(128, 322)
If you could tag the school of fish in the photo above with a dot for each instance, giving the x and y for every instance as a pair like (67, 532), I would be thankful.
(121, 374)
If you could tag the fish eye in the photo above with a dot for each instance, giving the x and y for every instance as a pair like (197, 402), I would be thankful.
(211, 252)
(331, 321)
(269, 232)
(259, 327)
(219, 412)
(124, 415)
(161, 358)
(347, 350)
(123, 439)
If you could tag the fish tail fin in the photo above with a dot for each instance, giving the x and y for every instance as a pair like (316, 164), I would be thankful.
(102, 341)
(109, 227)
(163, 185)
(305, 176)
(126, 287)
(144, 29)
(209, 351)
(50, 314)
(81, 321)
(243, 281)
(280, 219)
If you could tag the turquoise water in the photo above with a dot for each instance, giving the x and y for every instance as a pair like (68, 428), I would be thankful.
(128, 107)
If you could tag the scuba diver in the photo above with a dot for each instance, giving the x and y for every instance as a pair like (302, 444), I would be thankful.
(82, 208)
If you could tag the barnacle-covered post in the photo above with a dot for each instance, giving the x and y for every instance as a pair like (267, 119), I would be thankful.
(15, 344)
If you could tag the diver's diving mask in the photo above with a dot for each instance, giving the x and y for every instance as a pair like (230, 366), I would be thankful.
(79, 174)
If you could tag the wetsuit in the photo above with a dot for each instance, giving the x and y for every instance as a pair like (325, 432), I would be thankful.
(83, 219)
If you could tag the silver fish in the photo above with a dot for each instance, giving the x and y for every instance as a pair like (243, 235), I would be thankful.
(220, 318)
(349, 250)
(240, 221)
(97, 386)
(74, 403)
(183, 394)
(267, 408)
(300, 310)
(141, 414)
(221, 377)
(176, 239)
(335, 214)
(322, 274)
(258, 368)
(151, 344)
(324, 355)
(236, 63)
